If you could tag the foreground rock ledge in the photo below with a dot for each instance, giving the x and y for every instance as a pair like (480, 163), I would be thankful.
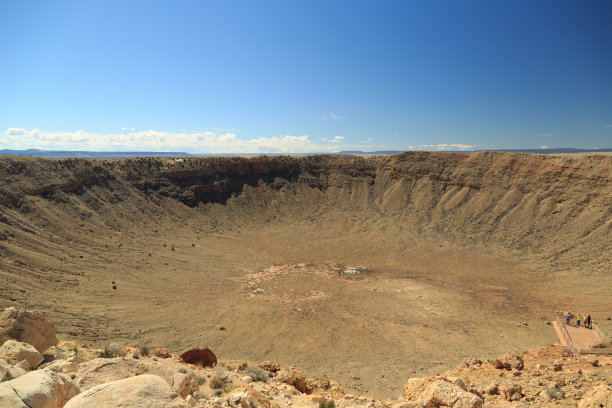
(146, 391)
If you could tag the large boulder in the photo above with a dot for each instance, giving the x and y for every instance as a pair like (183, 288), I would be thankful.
(27, 326)
(600, 396)
(42, 389)
(102, 370)
(10, 399)
(143, 391)
(14, 352)
(200, 356)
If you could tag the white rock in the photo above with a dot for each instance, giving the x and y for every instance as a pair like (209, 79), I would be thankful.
(191, 401)
(10, 370)
(14, 352)
(181, 384)
(42, 389)
(142, 391)
(62, 366)
(10, 399)
(27, 326)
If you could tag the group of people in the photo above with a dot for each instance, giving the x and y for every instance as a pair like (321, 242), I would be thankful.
(585, 318)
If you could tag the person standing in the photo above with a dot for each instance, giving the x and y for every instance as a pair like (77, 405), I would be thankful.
(578, 319)
(568, 316)
(590, 325)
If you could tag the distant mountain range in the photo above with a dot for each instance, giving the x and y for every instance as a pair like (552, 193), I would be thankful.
(61, 154)
(65, 154)
(542, 151)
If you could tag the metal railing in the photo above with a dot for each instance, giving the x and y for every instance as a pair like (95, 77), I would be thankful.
(598, 332)
(570, 345)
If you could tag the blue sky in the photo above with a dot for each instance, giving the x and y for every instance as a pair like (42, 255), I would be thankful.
(289, 76)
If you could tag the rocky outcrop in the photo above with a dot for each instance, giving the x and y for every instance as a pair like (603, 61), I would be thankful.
(247, 397)
(600, 396)
(293, 377)
(180, 384)
(270, 366)
(143, 391)
(200, 356)
(27, 326)
(440, 393)
(41, 389)
(14, 352)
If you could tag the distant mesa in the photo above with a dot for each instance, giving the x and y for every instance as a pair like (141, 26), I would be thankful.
(85, 154)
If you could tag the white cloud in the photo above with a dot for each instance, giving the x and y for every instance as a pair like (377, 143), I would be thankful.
(152, 140)
(441, 147)
(543, 147)
(336, 139)
(333, 116)
(366, 141)
(608, 125)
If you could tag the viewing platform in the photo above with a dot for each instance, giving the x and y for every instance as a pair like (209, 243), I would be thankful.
(578, 339)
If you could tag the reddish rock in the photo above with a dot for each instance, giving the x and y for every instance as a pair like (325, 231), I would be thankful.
(200, 356)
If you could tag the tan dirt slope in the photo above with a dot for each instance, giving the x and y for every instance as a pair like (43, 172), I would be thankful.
(467, 254)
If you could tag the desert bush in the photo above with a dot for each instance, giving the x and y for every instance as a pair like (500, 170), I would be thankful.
(242, 366)
(144, 351)
(115, 350)
(182, 370)
(217, 393)
(198, 378)
(327, 404)
(256, 374)
(106, 353)
(216, 382)
(6, 377)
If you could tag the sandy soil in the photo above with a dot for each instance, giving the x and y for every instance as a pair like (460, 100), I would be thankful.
(266, 265)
